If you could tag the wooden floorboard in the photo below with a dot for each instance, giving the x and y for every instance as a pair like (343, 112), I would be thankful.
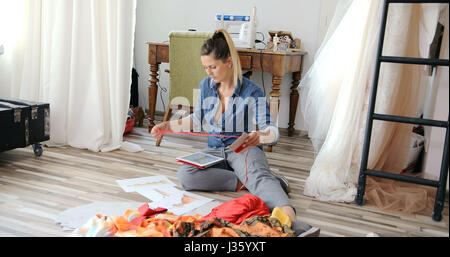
(33, 191)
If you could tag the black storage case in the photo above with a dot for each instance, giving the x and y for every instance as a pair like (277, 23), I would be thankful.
(23, 123)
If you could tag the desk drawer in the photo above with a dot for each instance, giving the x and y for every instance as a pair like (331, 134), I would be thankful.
(246, 62)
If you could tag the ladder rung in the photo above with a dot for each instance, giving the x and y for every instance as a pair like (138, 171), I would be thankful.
(404, 178)
(418, 1)
(411, 60)
(402, 119)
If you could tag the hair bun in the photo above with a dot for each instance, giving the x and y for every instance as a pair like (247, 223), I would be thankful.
(218, 34)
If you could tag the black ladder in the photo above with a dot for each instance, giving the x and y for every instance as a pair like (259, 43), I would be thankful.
(441, 183)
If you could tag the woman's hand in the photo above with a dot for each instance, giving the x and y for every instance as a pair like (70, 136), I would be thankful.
(253, 139)
(160, 127)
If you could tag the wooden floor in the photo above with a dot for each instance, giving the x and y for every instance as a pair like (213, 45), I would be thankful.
(34, 190)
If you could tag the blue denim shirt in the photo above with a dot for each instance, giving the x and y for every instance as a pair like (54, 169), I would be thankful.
(246, 108)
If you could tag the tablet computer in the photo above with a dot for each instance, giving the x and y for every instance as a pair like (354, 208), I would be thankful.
(200, 160)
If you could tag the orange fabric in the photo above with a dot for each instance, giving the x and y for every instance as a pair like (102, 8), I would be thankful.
(223, 232)
(169, 225)
(122, 223)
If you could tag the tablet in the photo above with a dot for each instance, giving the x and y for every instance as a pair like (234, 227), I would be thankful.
(200, 160)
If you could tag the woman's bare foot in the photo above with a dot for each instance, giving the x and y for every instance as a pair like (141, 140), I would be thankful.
(289, 211)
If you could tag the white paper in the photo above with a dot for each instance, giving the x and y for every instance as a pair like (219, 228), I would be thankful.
(132, 185)
(180, 203)
(162, 192)
(131, 147)
(159, 193)
(74, 218)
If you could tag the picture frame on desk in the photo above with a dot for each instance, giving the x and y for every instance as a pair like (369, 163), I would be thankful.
(295, 43)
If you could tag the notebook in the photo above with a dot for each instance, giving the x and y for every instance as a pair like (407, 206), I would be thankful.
(200, 160)
(236, 146)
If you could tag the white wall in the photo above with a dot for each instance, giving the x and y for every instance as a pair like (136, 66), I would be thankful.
(155, 19)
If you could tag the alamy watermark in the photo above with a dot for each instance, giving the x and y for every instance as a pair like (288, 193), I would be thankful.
(240, 113)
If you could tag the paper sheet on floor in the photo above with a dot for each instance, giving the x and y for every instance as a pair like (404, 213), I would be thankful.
(176, 201)
(132, 185)
(75, 217)
(163, 193)
(131, 147)
(157, 193)
(181, 202)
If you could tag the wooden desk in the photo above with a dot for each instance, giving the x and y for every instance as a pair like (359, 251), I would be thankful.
(276, 63)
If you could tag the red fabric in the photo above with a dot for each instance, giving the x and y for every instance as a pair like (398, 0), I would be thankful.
(144, 210)
(157, 211)
(137, 221)
(129, 125)
(239, 209)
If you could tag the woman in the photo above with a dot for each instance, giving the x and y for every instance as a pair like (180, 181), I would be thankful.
(229, 105)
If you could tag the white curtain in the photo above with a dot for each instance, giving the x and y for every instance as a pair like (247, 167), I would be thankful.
(77, 55)
(334, 93)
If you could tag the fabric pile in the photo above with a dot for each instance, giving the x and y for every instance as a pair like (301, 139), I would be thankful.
(247, 216)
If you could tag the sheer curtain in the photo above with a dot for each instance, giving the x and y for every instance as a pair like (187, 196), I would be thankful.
(334, 96)
(77, 55)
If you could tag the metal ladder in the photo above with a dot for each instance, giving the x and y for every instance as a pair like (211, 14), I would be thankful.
(441, 183)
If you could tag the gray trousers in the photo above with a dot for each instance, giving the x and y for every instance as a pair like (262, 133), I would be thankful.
(224, 176)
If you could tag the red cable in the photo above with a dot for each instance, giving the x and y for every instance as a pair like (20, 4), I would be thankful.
(246, 155)
(192, 133)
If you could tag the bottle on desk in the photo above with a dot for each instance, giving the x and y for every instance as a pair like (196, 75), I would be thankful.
(275, 42)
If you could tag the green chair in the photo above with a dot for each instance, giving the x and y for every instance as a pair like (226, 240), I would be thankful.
(186, 70)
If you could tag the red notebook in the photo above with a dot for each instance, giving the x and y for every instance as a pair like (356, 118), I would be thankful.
(236, 146)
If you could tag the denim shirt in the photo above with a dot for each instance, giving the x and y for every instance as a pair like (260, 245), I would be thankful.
(246, 108)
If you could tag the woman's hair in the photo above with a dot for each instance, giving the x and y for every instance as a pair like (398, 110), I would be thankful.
(221, 46)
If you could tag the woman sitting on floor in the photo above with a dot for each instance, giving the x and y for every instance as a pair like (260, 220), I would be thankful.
(228, 103)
